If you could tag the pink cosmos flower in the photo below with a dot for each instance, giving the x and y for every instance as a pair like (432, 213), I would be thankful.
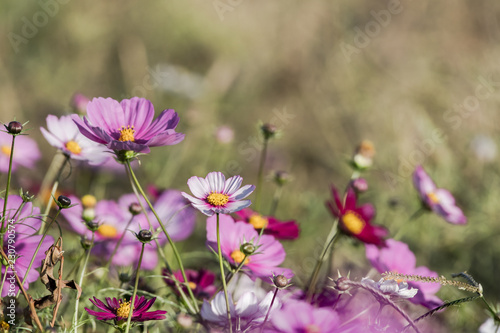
(398, 257)
(201, 282)
(128, 125)
(439, 200)
(215, 194)
(63, 134)
(118, 310)
(303, 317)
(355, 221)
(21, 242)
(269, 252)
(26, 152)
(273, 226)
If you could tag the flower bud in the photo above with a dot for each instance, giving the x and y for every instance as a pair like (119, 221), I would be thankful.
(63, 202)
(359, 185)
(341, 284)
(363, 157)
(268, 130)
(282, 177)
(92, 226)
(280, 281)
(26, 196)
(86, 243)
(247, 249)
(88, 214)
(134, 208)
(124, 277)
(14, 127)
(89, 201)
(79, 103)
(224, 134)
(145, 236)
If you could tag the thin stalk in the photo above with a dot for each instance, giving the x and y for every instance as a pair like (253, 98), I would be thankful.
(132, 301)
(276, 200)
(493, 313)
(174, 248)
(231, 275)
(269, 310)
(118, 245)
(38, 246)
(332, 237)
(80, 282)
(223, 278)
(260, 174)
(7, 188)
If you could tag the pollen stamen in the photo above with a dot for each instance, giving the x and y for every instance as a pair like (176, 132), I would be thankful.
(127, 133)
(6, 150)
(217, 199)
(107, 231)
(433, 197)
(73, 147)
(258, 221)
(238, 257)
(353, 222)
(123, 310)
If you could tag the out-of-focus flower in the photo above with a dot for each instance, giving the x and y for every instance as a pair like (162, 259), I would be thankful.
(63, 134)
(128, 125)
(439, 200)
(224, 134)
(397, 257)
(489, 326)
(303, 317)
(26, 152)
(201, 282)
(79, 103)
(363, 156)
(118, 310)
(270, 253)
(359, 185)
(215, 194)
(392, 288)
(484, 148)
(273, 226)
(247, 313)
(20, 243)
(355, 221)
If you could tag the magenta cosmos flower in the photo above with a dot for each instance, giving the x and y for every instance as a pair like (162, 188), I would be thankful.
(20, 242)
(439, 200)
(26, 152)
(63, 134)
(269, 252)
(118, 310)
(303, 317)
(215, 194)
(201, 282)
(273, 226)
(128, 125)
(355, 221)
(397, 257)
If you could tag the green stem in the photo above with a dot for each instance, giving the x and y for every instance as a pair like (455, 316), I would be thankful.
(493, 313)
(174, 248)
(231, 275)
(132, 301)
(330, 240)
(260, 174)
(38, 247)
(276, 199)
(117, 246)
(80, 282)
(7, 188)
(223, 278)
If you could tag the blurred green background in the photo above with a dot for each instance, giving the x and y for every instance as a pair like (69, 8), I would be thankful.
(420, 79)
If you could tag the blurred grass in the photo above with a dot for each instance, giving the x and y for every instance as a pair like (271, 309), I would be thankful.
(286, 55)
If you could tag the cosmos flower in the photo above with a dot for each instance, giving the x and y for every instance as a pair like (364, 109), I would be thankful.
(273, 226)
(439, 200)
(21, 242)
(118, 310)
(201, 282)
(63, 134)
(392, 288)
(355, 221)
(215, 194)
(128, 125)
(263, 263)
(247, 313)
(298, 316)
(26, 152)
(397, 257)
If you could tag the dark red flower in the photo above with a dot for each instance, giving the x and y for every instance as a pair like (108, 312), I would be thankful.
(273, 226)
(118, 310)
(201, 282)
(355, 221)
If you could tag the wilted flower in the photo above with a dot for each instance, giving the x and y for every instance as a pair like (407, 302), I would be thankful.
(63, 134)
(439, 200)
(128, 125)
(118, 310)
(355, 221)
(273, 226)
(215, 194)
(26, 152)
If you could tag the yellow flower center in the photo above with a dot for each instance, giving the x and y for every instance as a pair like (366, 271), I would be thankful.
(88, 201)
(73, 147)
(6, 150)
(192, 285)
(107, 231)
(353, 222)
(217, 199)
(123, 310)
(127, 133)
(433, 197)
(312, 329)
(258, 221)
(238, 257)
